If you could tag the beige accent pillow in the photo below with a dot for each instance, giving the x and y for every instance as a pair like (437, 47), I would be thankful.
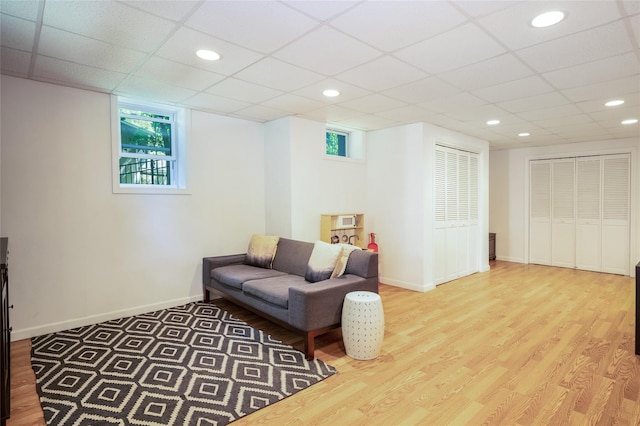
(262, 250)
(341, 264)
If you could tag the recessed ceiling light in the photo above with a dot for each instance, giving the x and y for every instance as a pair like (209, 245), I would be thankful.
(493, 122)
(629, 121)
(331, 93)
(614, 103)
(208, 55)
(547, 19)
(523, 134)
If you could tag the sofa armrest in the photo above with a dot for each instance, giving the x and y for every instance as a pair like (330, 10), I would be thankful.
(319, 305)
(211, 263)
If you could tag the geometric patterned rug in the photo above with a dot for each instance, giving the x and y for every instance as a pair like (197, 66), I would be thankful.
(189, 365)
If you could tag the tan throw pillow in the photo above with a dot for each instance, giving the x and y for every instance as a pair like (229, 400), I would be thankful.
(262, 250)
(341, 264)
(322, 261)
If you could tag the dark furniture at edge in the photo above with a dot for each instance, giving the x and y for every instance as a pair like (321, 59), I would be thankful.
(638, 309)
(5, 350)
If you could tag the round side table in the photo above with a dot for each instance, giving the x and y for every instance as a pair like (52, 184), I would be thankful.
(362, 324)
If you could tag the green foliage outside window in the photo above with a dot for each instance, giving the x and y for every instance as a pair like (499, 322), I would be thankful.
(336, 144)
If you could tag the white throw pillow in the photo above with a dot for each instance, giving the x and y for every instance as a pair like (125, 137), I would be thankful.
(262, 250)
(322, 261)
(341, 264)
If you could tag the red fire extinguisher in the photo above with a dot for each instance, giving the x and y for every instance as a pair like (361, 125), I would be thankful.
(372, 243)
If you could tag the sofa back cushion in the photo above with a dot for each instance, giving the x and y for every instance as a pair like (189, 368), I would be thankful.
(292, 256)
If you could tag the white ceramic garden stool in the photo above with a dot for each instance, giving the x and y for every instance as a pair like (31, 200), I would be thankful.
(362, 324)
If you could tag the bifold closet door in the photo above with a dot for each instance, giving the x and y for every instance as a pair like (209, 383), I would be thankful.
(615, 213)
(456, 214)
(588, 214)
(562, 213)
(540, 212)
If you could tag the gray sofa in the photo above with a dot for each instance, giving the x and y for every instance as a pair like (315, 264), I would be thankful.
(282, 294)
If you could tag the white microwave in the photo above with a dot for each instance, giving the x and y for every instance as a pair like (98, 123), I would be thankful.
(345, 222)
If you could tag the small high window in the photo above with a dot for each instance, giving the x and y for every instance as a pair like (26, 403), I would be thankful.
(337, 143)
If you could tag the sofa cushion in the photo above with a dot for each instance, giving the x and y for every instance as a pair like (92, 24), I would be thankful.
(235, 275)
(322, 261)
(341, 264)
(274, 290)
(292, 256)
(261, 250)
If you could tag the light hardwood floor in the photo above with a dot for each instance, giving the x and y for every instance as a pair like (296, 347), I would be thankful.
(518, 345)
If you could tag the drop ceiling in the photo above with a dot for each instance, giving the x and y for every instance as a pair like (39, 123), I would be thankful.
(455, 64)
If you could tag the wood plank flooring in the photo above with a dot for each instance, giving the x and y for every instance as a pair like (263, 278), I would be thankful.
(518, 345)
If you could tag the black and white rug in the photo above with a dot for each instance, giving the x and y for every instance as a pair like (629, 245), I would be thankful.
(190, 365)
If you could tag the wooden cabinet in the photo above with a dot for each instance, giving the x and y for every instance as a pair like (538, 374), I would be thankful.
(344, 228)
(5, 351)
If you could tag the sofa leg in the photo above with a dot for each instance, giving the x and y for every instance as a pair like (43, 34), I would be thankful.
(309, 346)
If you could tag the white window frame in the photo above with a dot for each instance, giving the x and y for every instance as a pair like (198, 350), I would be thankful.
(178, 159)
(355, 145)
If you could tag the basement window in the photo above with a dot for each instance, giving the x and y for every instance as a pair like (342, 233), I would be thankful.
(149, 143)
(337, 143)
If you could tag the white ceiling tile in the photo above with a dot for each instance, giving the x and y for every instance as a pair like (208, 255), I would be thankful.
(373, 103)
(347, 91)
(321, 10)
(634, 24)
(512, 26)
(493, 71)
(408, 114)
(15, 62)
(278, 75)
(454, 102)
(182, 46)
(27, 9)
(208, 102)
(613, 88)
(478, 9)
(595, 72)
(175, 10)
(257, 25)
(557, 112)
(555, 122)
(108, 21)
(448, 48)
(69, 73)
(329, 113)
(616, 114)
(243, 91)
(293, 104)
(631, 100)
(522, 88)
(260, 113)
(431, 88)
(145, 88)
(479, 114)
(368, 122)
(586, 46)
(17, 33)
(631, 6)
(327, 51)
(381, 74)
(534, 102)
(392, 25)
(83, 50)
(175, 74)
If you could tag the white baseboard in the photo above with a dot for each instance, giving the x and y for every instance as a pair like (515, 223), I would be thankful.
(510, 259)
(423, 288)
(28, 333)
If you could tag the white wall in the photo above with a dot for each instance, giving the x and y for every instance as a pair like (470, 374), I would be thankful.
(509, 193)
(317, 184)
(81, 254)
(400, 199)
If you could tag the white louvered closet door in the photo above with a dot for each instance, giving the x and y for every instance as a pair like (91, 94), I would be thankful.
(580, 213)
(615, 213)
(456, 236)
(562, 213)
(540, 212)
(588, 214)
